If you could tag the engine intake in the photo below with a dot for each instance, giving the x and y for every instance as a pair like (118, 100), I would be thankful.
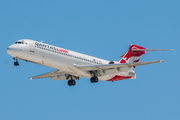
(111, 62)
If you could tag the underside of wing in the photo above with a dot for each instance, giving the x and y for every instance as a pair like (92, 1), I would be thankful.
(114, 66)
(56, 75)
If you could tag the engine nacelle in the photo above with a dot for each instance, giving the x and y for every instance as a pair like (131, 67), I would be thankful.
(113, 62)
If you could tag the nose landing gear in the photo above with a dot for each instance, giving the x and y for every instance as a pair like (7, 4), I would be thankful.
(16, 63)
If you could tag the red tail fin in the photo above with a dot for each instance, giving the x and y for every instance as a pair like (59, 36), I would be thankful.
(132, 56)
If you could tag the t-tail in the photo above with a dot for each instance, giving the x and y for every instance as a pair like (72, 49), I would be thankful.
(135, 52)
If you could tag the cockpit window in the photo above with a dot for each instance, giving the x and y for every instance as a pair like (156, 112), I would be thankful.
(19, 42)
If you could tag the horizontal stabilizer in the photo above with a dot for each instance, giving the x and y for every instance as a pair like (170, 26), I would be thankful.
(152, 49)
(122, 55)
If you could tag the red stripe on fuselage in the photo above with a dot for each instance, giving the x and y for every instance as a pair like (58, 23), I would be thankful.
(116, 78)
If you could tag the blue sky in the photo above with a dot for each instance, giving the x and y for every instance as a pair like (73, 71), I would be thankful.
(103, 29)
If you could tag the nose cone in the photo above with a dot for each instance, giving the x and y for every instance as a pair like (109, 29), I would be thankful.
(13, 50)
(10, 50)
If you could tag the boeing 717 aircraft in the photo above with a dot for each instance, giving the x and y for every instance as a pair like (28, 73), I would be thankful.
(71, 65)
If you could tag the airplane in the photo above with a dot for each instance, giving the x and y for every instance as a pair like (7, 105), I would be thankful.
(70, 65)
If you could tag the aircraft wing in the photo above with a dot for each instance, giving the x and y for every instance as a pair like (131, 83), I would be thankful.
(55, 75)
(113, 66)
(47, 75)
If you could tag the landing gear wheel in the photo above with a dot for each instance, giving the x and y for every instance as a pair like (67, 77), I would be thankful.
(94, 79)
(16, 63)
(71, 82)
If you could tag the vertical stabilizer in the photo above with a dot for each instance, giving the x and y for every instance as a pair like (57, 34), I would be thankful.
(132, 56)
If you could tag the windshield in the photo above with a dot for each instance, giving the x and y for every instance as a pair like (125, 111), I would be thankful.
(19, 42)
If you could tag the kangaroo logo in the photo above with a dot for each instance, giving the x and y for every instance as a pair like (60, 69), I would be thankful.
(131, 59)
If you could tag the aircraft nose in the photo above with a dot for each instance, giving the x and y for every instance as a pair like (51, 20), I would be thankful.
(9, 50)
(14, 50)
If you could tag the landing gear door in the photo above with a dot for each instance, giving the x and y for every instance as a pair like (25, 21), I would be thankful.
(32, 47)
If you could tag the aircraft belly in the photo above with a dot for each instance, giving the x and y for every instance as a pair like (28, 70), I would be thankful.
(117, 76)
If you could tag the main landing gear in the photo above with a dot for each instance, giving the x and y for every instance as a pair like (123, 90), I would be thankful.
(94, 79)
(71, 82)
(16, 63)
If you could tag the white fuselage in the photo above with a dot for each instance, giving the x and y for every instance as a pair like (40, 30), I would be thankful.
(56, 57)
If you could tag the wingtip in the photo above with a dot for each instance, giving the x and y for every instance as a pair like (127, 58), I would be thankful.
(30, 78)
(168, 50)
(161, 61)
